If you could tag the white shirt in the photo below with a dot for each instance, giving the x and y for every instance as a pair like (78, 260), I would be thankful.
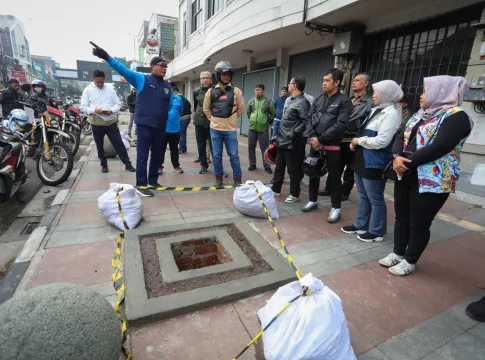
(105, 99)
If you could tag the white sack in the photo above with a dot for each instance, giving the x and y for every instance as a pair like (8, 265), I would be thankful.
(312, 328)
(126, 139)
(131, 205)
(247, 202)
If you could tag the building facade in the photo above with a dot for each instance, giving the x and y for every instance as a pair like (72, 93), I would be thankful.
(270, 41)
(157, 37)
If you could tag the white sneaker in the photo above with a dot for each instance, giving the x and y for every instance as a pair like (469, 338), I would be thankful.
(276, 194)
(291, 199)
(391, 260)
(334, 216)
(403, 268)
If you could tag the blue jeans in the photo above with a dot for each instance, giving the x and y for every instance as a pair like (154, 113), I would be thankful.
(276, 126)
(371, 193)
(228, 138)
(149, 142)
(184, 123)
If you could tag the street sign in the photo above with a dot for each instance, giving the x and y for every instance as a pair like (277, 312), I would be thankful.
(19, 75)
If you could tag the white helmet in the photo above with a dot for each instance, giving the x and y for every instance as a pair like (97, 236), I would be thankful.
(19, 117)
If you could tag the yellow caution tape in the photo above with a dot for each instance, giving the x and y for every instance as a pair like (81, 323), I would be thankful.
(189, 189)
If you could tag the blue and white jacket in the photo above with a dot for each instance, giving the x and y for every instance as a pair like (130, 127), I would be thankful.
(173, 123)
(376, 136)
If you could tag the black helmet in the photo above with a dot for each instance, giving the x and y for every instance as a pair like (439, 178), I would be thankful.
(223, 66)
(315, 166)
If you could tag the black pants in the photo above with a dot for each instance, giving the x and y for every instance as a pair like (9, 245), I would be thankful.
(291, 160)
(303, 155)
(202, 135)
(263, 139)
(173, 142)
(346, 159)
(334, 180)
(414, 214)
(113, 133)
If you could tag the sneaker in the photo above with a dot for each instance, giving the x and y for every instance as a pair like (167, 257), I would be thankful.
(323, 193)
(291, 199)
(144, 192)
(237, 181)
(219, 181)
(104, 169)
(160, 171)
(391, 260)
(154, 186)
(334, 216)
(252, 168)
(197, 160)
(203, 170)
(276, 194)
(178, 170)
(402, 269)
(310, 206)
(476, 310)
(351, 229)
(368, 237)
(268, 170)
(130, 168)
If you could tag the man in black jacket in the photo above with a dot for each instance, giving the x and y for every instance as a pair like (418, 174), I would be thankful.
(131, 101)
(10, 96)
(289, 140)
(327, 122)
(362, 105)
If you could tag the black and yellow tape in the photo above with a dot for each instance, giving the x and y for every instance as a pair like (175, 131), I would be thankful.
(118, 280)
(305, 291)
(188, 189)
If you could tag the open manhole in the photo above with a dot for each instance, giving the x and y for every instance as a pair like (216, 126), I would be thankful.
(196, 254)
(29, 228)
(180, 268)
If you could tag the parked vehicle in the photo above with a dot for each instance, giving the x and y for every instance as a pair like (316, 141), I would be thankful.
(85, 125)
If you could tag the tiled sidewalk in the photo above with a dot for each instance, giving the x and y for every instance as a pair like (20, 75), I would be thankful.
(417, 317)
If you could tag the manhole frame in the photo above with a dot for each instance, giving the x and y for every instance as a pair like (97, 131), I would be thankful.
(139, 309)
(170, 271)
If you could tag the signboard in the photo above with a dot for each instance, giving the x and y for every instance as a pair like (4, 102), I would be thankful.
(152, 44)
(19, 75)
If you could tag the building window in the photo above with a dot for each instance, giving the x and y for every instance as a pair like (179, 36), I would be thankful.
(196, 15)
(213, 7)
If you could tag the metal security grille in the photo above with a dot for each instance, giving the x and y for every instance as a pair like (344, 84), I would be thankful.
(440, 46)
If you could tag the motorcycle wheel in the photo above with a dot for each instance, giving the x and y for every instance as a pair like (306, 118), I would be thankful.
(74, 141)
(87, 130)
(64, 160)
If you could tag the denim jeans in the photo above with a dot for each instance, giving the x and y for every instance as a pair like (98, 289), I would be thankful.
(276, 126)
(184, 123)
(229, 139)
(371, 193)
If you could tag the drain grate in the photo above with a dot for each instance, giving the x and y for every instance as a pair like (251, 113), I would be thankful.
(29, 228)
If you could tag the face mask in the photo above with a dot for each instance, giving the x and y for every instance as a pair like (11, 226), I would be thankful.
(38, 90)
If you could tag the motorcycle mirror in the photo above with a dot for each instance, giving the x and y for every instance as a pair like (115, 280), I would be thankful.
(26, 87)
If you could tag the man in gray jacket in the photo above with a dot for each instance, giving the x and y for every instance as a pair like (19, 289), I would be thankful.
(290, 139)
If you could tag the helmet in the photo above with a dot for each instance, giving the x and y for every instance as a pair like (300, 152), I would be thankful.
(315, 166)
(38, 86)
(270, 154)
(19, 117)
(223, 66)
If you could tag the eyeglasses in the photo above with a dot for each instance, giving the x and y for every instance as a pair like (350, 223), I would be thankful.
(205, 78)
(162, 66)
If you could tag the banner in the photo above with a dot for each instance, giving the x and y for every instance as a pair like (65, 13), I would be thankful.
(19, 75)
(153, 46)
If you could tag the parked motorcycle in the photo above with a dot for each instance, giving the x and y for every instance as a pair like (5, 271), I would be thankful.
(85, 125)
(71, 124)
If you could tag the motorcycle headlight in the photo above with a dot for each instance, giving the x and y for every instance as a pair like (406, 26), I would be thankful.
(54, 123)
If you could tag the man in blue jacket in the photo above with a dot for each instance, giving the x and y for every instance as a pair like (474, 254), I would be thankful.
(153, 103)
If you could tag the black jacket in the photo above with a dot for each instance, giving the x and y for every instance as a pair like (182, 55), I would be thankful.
(359, 113)
(187, 106)
(328, 118)
(9, 100)
(292, 125)
(131, 102)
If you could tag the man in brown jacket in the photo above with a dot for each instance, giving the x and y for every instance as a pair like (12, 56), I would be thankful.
(223, 104)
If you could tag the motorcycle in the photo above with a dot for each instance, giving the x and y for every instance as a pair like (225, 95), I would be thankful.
(85, 125)
(71, 124)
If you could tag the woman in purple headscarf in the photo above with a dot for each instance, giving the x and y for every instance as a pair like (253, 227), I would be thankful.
(426, 160)
(373, 147)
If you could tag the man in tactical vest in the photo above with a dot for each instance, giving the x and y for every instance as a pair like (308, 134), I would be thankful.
(261, 113)
(153, 102)
(223, 104)
(10, 97)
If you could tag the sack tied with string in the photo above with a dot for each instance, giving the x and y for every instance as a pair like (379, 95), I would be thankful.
(247, 202)
(131, 205)
(312, 328)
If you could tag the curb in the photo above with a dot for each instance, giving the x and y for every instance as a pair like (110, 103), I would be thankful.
(11, 281)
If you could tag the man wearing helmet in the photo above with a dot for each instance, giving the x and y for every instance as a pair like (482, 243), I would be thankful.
(223, 104)
(39, 88)
(9, 97)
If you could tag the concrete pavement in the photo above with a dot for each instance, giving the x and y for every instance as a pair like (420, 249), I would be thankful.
(420, 316)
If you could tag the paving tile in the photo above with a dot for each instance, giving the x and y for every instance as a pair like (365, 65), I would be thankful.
(247, 311)
(331, 266)
(96, 184)
(217, 333)
(319, 256)
(441, 230)
(159, 205)
(79, 264)
(104, 288)
(478, 331)
(373, 354)
(374, 253)
(464, 347)
(377, 307)
(198, 201)
(421, 340)
(81, 213)
(318, 245)
(359, 342)
(222, 210)
(86, 235)
(452, 205)
(356, 245)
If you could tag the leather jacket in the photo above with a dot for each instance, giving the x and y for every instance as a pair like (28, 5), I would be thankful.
(292, 126)
(360, 111)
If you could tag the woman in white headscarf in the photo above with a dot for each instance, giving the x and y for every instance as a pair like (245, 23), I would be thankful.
(427, 159)
(373, 147)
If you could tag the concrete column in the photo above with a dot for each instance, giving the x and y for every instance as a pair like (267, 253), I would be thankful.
(283, 64)
(250, 63)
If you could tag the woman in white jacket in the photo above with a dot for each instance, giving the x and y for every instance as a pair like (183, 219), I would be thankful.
(373, 147)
